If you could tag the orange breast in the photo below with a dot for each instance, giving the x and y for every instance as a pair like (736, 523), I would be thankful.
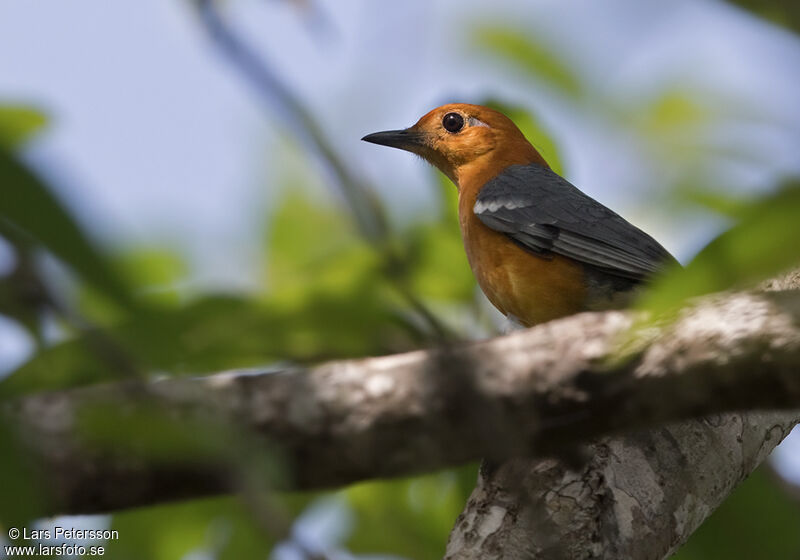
(531, 288)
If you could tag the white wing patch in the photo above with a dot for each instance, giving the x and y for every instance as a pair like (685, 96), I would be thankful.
(495, 205)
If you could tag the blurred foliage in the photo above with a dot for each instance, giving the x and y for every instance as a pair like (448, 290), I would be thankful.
(327, 296)
(326, 299)
(437, 266)
(314, 250)
(753, 249)
(28, 207)
(224, 332)
(673, 125)
(410, 517)
(781, 12)
(21, 492)
(18, 123)
(674, 117)
(221, 527)
(672, 121)
(670, 110)
(539, 60)
(331, 292)
(157, 273)
(758, 520)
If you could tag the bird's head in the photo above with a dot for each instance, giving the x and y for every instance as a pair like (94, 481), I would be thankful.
(463, 140)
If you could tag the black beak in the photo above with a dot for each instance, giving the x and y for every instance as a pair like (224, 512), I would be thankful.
(407, 139)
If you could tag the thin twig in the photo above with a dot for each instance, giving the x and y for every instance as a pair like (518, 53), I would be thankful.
(365, 206)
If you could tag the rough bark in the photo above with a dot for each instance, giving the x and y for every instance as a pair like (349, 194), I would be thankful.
(534, 392)
(638, 495)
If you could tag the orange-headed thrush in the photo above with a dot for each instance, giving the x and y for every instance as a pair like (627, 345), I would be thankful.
(539, 247)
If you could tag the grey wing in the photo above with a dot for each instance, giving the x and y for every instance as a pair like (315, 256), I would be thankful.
(547, 215)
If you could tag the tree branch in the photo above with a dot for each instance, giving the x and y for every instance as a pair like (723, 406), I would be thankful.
(642, 494)
(639, 496)
(534, 392)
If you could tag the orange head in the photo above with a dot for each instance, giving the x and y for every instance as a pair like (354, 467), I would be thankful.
(463, 141)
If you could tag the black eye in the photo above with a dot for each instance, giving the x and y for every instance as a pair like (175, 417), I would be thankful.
(453, 122)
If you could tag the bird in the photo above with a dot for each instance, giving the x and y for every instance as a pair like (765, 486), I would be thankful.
(538, 246)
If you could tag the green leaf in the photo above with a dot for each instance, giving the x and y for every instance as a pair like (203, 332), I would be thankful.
(673, 124)
(152, 268)
(722, 203)
(215, 332)
(28, 206)
(758, 246)
(779, 12)
(409, 517)
(156, 274)
(537, 59)
(672, 109)
(327, 301)
(18, 123)
(759, 520)
(223, 332)
(21, 499)
(335, 283)
(223, 527)
(313, 247)
(436, 266)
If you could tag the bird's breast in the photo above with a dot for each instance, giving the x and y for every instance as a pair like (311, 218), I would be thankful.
(532, 288)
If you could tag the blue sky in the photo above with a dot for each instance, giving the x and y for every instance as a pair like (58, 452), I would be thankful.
(154, 140)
